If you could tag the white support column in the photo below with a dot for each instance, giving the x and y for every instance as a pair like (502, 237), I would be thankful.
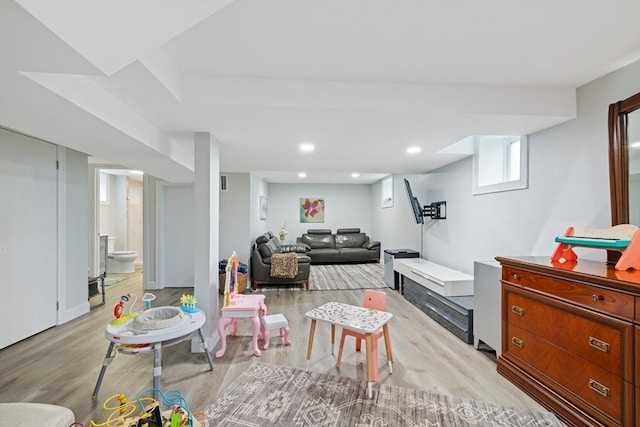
(207, 205)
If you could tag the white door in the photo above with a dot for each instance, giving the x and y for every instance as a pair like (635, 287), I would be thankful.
(28, 237)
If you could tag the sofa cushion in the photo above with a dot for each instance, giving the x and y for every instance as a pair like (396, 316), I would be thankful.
(269, 248)
(324, 255)
(347, 230)
(295, 247)
(316, 241)
(351, 240)
(262, 239)
(302, 258)
(319, 231)
(357, 255)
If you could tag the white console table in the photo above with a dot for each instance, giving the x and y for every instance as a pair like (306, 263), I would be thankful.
(442, 280)
(444, 294)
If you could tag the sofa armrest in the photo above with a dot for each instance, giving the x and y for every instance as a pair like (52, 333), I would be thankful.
(296, 247)
(372, 245)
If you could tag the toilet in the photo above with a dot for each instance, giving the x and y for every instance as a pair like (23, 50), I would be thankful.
(119, 261)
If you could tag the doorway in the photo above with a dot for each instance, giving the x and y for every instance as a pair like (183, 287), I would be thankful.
(119, 215)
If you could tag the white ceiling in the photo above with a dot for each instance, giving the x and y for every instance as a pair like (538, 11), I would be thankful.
(130, 82)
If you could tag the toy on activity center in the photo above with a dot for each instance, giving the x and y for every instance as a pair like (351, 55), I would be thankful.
(118, 310)
(147, 298)
(188, 303)
(145, 411)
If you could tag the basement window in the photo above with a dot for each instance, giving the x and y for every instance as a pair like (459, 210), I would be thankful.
(104, 188)
(499, 163)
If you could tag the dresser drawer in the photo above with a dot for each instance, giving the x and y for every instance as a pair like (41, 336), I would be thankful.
(598, 387)
(603, 341)
(591, 297)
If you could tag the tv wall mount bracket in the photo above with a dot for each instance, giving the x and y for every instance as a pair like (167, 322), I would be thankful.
(435, 210)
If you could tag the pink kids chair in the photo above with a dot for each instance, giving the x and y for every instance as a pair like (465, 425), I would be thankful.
(376, 300)
(273, 321)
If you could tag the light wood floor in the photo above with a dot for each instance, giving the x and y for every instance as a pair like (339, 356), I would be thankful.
(61, 365)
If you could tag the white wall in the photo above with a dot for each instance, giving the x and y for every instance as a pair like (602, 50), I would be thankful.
(346, 206)
(235, 211)
(119, 211)
(259, 187)
(176, 233)
(395, 226)
(113, 214)
(75, 233)
(175, 237)
(568, 185)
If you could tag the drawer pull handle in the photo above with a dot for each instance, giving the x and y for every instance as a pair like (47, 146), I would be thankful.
(517, 310)
(516, 276)
(600, 345)
(597, 298)
(598, 388)
(517, 342)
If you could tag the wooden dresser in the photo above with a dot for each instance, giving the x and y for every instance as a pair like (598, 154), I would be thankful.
(571, 338)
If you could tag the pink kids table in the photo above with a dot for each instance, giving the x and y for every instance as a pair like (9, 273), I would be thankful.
(241, 306)
(360, 319)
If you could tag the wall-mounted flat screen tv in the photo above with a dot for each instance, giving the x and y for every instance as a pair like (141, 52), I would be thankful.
(416, 207)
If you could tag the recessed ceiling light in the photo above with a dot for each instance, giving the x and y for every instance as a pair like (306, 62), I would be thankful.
(355, 175)
(414, 150)
(302, 175)
(307, 147)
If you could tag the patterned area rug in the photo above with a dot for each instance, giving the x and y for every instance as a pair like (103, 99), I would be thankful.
(346, 276)
(271, 395)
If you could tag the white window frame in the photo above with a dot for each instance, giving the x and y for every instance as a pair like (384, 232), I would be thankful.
(505, 165)
(103, 185)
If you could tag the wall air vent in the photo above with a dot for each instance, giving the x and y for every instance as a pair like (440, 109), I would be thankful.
(223, 183)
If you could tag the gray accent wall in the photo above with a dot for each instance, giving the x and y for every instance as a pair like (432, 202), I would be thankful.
(346, 206)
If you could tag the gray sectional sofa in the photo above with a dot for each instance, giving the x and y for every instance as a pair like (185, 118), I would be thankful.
(266, 246)
(345, 246)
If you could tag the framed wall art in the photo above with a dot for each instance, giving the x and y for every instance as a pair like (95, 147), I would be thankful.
(263, 208)
(311, 210)
(387, 192)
